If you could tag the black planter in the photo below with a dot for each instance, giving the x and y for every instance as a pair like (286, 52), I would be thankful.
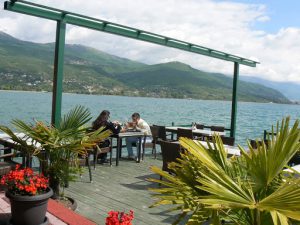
(68, 202)
(29, 210)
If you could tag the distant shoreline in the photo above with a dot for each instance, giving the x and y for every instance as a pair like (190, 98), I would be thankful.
(190, 99)
(1, 90)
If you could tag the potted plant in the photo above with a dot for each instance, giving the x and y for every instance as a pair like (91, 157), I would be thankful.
(58, 148)
(253, 189)
(28, 193)
(119, 218)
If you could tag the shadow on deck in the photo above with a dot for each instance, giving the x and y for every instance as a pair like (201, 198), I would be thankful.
(120, 188)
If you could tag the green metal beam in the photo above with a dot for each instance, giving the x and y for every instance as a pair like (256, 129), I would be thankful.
(58, 72)
(113, 28)
(234, 100)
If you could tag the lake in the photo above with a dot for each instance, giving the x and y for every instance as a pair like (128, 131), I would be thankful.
(252, 118)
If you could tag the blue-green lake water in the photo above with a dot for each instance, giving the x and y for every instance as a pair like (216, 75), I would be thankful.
(252, 118)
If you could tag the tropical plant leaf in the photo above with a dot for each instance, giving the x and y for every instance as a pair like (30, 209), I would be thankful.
(252, 189)
(75, 118)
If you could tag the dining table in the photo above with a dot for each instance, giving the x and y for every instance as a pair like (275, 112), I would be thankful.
(9, 144)
(231, 150)
(138, 134)
(6, 140)
(196, 132)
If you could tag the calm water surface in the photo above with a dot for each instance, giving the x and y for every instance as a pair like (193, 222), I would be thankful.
(252, 118)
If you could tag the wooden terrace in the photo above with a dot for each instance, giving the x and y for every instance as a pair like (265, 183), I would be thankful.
(120, 188)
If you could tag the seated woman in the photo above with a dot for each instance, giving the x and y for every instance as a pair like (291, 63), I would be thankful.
(103, 121)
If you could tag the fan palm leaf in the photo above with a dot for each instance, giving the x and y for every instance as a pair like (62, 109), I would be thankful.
(75, 118)
(249, 190)
(61, 145)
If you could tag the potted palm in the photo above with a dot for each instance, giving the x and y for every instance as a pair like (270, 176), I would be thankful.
(58, 148)
(254, 189)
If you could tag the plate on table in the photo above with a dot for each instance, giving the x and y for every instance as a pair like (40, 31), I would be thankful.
(131, 130)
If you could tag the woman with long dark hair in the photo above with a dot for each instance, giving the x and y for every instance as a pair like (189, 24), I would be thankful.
(103, 121)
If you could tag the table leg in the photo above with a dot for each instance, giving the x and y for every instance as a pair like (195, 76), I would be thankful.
(118, 150)
(121, 146)
(139, 149)
(144, 143)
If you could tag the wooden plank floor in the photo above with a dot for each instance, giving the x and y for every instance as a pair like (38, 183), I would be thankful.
(121, 188)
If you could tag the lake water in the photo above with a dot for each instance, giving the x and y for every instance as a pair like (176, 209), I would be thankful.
(252, 118)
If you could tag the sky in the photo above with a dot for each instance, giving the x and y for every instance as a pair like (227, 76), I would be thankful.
(267, 31)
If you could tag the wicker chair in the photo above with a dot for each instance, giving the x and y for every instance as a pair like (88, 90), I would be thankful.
(7, 164)
(228, 140)
(84, 160)
(199, 126)
(100, 150)
(170, 152)
(162, 134)
(154, 132)
(217, 128)
(254, 143)
(188, 133)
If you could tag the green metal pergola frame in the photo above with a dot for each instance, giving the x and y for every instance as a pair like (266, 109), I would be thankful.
(63, 17)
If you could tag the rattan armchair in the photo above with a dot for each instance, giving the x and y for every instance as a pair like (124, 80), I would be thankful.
(101, 150)
(188, 133)
(228, 140)
(217, 128)
(7, 164)
(170, 152)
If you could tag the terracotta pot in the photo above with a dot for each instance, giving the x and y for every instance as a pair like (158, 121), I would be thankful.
(29, 210)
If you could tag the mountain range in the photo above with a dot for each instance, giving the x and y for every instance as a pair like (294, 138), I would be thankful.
(29, 66)
(289, 89)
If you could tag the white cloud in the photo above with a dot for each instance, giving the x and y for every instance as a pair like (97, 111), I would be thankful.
(226, 26)
(263, 18)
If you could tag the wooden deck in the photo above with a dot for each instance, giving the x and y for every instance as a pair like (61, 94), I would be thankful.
(120, 188)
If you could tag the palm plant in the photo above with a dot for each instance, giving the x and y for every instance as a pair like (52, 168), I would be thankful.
(58, 148)
(253, 189)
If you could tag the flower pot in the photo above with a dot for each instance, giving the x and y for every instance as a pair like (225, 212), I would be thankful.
(67, 202)
(29, 210)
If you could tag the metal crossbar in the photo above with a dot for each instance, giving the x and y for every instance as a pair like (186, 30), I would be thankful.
(118, 29)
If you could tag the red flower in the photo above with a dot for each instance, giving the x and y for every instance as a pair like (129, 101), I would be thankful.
(24, 182)
(117, 218)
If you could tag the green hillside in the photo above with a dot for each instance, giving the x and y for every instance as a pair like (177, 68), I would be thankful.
(29, 66)
(179, 80)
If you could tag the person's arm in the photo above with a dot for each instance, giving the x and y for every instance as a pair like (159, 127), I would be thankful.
(115, 129)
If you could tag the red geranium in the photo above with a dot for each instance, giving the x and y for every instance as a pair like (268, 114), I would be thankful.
(25, 182)
(119, 218)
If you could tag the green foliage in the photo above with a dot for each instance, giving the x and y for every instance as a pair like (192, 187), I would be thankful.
(94, 72)
(59, 148)
(253, 189)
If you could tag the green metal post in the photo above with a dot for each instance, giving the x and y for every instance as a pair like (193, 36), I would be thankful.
(234, 100)
(58, 72)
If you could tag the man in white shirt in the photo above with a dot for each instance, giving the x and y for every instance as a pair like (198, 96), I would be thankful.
(140, 125)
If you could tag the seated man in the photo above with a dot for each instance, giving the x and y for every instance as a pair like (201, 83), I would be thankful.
(140, 125)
